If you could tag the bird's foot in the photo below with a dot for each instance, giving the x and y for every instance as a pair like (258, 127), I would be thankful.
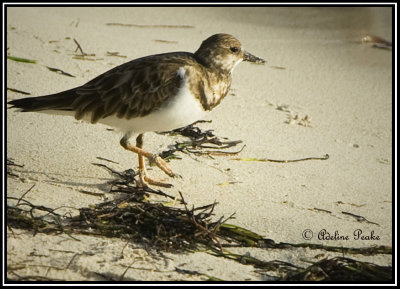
(159, 162)
(145, 181)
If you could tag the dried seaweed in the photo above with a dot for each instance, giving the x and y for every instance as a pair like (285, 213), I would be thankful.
(18, 91)
(200, 143)
(359, 218)
(59, 71)
(10, 164)
(325, 157)
(179, 229)
(274, 265)
(342, 269)
(161, 227)
(131, 217)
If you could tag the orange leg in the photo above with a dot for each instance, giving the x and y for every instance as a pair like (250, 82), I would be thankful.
(143, 178)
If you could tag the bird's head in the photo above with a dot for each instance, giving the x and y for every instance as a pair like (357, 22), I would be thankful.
(223, 52)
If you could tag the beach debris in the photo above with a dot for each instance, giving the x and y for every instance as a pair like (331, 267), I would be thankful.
(18, 91)
(328, 269)
(24, 194)
(384, 161)
(227, 183)
(165, 41)
(59, 71)
(96, 194)
(325, 157)
(201, 143)
(20, 59)
(104, 159)
(321, 210)
(10, 164)
(359, 218)
(185, 271)
(24, 60)
(182, 229)
(83, 55)
(278, 67)
(149, 26)
(177, 227)
(78, 47)
(351, 204)
(376, 41)
(343, 269)
(80, 57)
(129, 216)
(115, 54)
(126, 177)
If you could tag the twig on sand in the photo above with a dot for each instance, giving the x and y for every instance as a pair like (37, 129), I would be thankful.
(325, 157)
(149, 26)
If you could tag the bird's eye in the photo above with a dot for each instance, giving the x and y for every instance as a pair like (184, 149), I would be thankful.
(234, 49)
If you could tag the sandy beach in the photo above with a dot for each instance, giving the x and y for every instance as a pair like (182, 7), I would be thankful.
(321, 92)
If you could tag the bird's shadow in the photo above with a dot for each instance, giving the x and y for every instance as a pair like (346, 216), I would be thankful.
(59, 179)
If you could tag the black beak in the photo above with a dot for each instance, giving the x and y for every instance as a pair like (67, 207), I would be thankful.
(251, 58)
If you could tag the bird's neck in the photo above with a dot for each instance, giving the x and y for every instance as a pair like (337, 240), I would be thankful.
(211, 86)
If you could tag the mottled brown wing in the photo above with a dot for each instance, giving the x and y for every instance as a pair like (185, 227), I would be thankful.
(132, 89)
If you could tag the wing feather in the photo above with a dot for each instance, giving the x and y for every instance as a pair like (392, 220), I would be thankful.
(133, 89)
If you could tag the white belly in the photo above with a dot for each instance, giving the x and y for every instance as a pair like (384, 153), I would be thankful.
(180, 111)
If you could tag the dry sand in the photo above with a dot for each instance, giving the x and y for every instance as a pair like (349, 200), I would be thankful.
(316, 67)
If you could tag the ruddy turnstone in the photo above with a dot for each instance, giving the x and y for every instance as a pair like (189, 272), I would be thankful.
(153, 93)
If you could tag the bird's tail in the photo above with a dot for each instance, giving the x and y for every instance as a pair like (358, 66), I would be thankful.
(59, 101)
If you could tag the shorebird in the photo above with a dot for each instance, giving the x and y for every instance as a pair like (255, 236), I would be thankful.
(154, 93)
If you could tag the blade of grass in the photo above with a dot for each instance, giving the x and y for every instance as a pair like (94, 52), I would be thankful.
(19, 59)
